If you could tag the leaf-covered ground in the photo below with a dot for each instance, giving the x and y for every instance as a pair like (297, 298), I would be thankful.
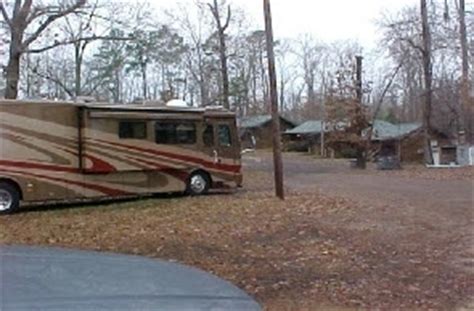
(418, 171)
(311, 252)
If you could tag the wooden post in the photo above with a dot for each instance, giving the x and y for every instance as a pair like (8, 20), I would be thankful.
(277, 157)
(428, 77)
(466, 118)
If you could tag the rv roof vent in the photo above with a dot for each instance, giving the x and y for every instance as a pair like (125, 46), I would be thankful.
(177, 103)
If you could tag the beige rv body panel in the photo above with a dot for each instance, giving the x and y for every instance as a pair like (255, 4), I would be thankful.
(61, 151)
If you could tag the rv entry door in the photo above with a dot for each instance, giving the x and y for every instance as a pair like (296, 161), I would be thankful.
(221, 141)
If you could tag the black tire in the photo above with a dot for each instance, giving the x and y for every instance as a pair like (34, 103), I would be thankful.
(198, 183)
(9, 198)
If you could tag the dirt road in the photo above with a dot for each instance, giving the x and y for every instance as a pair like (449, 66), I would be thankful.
(413, 211)
(336, 177)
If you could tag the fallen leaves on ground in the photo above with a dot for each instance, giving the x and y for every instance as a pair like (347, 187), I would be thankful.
(441, 174)
(305, 252)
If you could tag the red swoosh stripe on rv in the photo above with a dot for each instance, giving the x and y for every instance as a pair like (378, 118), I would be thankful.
(39, 166)
(217, 166)
(98, 165)
(99, 188)
(177, 173)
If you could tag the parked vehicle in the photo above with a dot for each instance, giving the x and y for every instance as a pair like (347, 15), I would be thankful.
(60, 151)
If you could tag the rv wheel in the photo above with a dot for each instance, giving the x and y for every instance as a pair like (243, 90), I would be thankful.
(198, 184)
(9, 198)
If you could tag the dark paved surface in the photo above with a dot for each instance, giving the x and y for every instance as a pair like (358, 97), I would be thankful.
(58, 279)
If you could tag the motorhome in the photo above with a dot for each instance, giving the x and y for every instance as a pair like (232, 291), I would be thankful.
(61, 151)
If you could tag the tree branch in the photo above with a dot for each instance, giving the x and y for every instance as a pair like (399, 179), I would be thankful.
(5, 15)
(99, 79)
(53, 79)
(227, 22)
(413, 44)
(73, 41)
(37, 12)
(91, 15)
(387, 88)
(382, 97)
(25, 10)
(51, 19)
(214, 11)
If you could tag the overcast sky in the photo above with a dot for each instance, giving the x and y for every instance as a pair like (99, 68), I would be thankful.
(328, 20)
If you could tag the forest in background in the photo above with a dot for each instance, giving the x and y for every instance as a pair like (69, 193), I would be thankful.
(209, 52)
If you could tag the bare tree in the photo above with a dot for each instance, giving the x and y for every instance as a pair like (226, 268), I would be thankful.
(24, 15)
(310, 53)
(221, 31)
(285, 77)
(256, 44)
(195, 31)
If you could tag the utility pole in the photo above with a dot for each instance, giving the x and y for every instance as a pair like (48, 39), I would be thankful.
(466, 115)
(428, 77)
(277, 157)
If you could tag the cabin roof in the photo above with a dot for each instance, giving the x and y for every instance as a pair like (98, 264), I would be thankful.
(384, 130)
(307, 128)
(259, 121)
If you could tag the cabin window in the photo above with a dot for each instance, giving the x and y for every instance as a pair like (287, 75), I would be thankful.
(175, 133)
(208, 136)
(132, 130)
(225, 136)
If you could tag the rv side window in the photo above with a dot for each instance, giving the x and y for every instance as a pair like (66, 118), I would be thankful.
(225, 135)
(175, 133)
(132, 130)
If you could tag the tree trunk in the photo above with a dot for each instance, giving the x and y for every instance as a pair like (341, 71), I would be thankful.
(116, 88)
(144, 81)
(28, 77)
(282, 93)
(266, 99)
(254, 84)
(224, 70)
(362, 149)
(203, 89)
(311, 92)
(13, 67)
(428, 79)
(78, 69)
(225, 94)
